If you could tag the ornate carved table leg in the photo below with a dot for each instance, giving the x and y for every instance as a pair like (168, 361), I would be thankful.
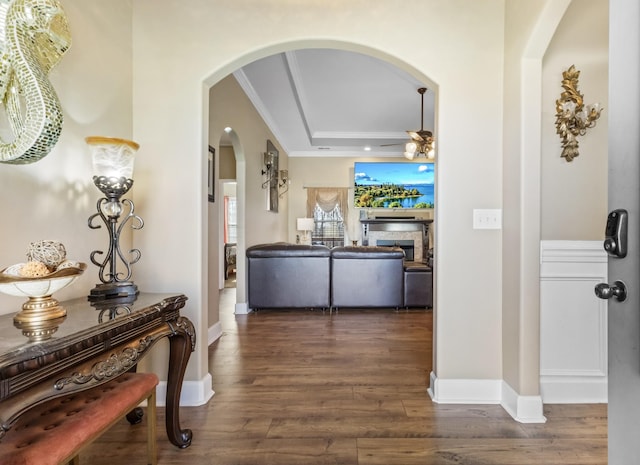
(182, 343)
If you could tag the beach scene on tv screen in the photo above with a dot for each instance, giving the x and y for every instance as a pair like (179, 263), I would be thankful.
(393, 185)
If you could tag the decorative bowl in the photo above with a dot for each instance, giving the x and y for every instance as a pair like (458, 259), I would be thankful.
(13, 284)
(41, 314)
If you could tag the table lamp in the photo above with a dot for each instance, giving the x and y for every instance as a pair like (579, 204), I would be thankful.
(113, 161)
(305, 225)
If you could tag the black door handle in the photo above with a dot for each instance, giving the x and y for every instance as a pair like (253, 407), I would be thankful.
(617, 290)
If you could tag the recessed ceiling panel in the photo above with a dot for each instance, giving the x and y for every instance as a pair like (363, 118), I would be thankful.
(334, 100)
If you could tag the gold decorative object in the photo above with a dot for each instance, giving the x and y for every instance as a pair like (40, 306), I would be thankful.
(41, 314)
(573, 118)
(34, 35)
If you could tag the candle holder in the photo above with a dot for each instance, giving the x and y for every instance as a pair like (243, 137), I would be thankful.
(113, 172)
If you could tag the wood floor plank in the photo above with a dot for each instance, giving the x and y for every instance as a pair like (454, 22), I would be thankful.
(300, 387)
(481, 452)
(375, 426)
(310, 408)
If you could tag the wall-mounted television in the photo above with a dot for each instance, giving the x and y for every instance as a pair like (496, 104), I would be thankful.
(393, 185)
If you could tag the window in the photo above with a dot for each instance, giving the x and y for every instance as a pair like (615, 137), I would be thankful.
(327, 206)
(328, 228)
(230, 220)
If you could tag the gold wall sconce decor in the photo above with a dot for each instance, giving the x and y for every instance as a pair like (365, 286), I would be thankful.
(573, 117)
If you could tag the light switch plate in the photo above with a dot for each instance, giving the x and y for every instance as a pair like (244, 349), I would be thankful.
(487, 219)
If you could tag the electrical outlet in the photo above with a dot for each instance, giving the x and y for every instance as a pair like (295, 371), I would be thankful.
(487, 219)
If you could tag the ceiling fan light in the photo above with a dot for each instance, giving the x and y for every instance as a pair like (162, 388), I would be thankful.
(422, 140)
(431, 152)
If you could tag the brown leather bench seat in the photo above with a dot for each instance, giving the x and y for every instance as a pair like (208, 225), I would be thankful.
(55, 431)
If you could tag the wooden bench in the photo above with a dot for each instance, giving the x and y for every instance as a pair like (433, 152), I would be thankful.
(53, 433)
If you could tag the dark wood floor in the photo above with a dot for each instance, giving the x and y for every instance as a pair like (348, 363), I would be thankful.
(348, 388)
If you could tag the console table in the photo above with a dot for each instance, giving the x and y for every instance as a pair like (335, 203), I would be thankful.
(96, 342)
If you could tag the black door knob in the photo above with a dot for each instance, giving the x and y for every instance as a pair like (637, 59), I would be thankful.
(617, 290)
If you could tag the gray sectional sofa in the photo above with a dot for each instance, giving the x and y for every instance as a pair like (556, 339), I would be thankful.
(367, 277)
(283, 275)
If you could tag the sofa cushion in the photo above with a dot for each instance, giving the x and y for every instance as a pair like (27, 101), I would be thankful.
(367, 252)
(284, 249)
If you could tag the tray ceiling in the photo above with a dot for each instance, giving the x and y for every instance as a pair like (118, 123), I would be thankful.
(335, 103)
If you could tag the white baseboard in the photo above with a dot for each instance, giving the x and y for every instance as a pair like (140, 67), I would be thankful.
(525, 409)
(214, 333)
(193, 394)
(464, 391)
(576, 390)
(242, 308)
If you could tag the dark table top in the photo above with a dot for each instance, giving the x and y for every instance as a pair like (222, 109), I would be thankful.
(84, 321)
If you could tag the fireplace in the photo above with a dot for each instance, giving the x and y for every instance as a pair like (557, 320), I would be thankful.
(411, 234)
(405, 244)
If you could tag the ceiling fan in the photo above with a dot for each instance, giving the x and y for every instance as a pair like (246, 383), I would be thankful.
(421, 142)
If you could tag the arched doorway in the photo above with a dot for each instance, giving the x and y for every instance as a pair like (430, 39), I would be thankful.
(217, 121)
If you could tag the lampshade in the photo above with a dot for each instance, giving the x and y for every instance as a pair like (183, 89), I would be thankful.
(112, 157)
(305, 224)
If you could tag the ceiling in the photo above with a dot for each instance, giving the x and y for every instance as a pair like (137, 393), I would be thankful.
(336, 103)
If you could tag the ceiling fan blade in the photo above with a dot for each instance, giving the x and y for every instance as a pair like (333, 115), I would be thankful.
(388, 145)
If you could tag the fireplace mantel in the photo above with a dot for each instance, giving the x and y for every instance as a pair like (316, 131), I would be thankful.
(398, 228)
(392, 220)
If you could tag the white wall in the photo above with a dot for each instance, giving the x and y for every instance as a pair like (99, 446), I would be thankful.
(179, 50)
(182, 48)
(574, 195)
(53, 198)
(529, 29)
(230, 107)
(573, 329)
(227, 163)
